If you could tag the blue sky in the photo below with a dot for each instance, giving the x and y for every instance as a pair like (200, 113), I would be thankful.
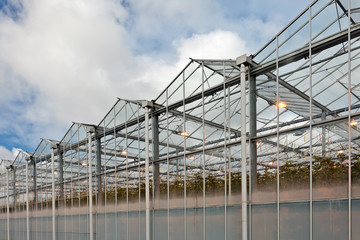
(68, 60)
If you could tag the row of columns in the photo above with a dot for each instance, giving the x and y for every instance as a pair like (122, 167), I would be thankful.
(149, 112)
(29, 160)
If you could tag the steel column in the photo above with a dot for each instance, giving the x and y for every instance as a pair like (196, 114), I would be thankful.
(27, 199)
(252, 130)
(90, 131)
(323, 135)
(61, 174)
(7, 205)
(156, 169)
(147, 106)
(243, 152)
(349, 120)
(34, 184)
(53, 147)
(311, 128)
(155, 145)
(98, 170)
(14, 186)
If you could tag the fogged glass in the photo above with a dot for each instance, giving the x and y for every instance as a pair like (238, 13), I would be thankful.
(330, 179)
(177, 198)
(330, 163)
(294, 175)
(263, 192)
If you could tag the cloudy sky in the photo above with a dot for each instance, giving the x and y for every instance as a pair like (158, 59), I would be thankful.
(68, 60)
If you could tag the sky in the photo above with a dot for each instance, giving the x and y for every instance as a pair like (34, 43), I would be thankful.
(68, 60)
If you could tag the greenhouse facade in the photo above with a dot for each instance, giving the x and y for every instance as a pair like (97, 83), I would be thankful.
(266, 146)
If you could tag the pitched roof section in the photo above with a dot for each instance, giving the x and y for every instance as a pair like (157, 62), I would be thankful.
(327, 18)
(198, 75)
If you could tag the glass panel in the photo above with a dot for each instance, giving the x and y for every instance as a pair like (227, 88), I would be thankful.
(295, 36)
(294, 154)
(263, 193)
(177, 199)
(267, 54)
(330, 183)
(294, 220)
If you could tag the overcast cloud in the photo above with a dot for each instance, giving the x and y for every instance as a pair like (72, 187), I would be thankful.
(68, 60)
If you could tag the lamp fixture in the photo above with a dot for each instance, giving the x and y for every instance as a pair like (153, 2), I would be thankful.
(122, 151)
(282, 105)
(353, 123)
(184, 134)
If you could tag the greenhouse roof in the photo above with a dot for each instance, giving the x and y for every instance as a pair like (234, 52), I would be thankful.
(304, 51)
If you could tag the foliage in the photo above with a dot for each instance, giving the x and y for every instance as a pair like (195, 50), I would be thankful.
(292, 174)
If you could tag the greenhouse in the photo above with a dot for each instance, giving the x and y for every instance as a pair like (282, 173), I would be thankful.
(265, 146)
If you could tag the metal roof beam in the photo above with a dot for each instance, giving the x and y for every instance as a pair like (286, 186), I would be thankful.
(303, 52)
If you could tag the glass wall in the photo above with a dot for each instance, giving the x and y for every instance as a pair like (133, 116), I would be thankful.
(172, 168)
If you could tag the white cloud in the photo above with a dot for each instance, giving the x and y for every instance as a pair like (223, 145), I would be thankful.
(15, 151)
(72, 53)
(64, 61)
(5, 154)
(214, 45)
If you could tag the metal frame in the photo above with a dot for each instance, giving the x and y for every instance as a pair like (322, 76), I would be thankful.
(229, 116)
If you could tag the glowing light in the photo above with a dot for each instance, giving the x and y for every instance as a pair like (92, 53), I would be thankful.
(184, 133)
(191, 157)
(56, 173)
(340, 151)
(282, 105)
(353, 123)
(84, 164)
(123, 152)
(271, 163)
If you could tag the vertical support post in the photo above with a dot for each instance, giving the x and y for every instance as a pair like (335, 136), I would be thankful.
(53, 147)
(167, 164)
(7, 205)
(277, 143)
(156, 169)
(243, 154)
(226, 155)
(98, 170)
(252, 130)
(155, 144)
(61, 174)
(34, 184)
(350, 222)
(14, 186)
(90, 130)
(241, 61)
(311, 128)
(27, 198)
(323, 137)
(147, 106)
(203, 151)
(253, 145)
